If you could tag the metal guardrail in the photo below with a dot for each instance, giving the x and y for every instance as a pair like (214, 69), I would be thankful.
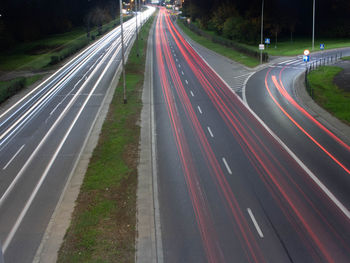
(318, 63)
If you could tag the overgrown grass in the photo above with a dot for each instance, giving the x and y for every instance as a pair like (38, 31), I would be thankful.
(327, 94)
(9, 88)
(345, 58)
(220, 49)
(284, 47)
(38, 54)
(104, 221)
(297, 47)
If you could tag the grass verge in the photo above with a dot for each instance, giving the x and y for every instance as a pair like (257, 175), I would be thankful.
(345, 58)
(327, 94)
(42, 53)
(297, 46)
(220, 49)
(285, 47)
(103, 225)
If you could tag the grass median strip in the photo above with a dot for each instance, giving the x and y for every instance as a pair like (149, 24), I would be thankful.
(103, 226)
(327, 94)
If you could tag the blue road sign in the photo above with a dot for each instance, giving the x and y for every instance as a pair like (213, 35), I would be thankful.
(267, 41)
(306, 58)
(322, 46)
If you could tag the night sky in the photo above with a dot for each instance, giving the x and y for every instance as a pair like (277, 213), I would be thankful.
(23, 20)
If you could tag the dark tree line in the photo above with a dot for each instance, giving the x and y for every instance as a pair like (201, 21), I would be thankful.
(23, 20)
(240, 19)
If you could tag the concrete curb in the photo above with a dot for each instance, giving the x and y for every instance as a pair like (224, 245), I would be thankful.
(332, 123)
(61, 217)
(148, 240)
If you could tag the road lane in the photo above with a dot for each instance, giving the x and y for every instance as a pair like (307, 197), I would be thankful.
(207, 185)
(313, 141)
(52, 122)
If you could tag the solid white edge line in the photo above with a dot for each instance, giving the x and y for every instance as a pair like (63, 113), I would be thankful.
(244, 87)
(33, 108)
(18, 151)
(48, 167)
(64, 67)
(226, 164)
(210, 132)
(302, 165)
(200, 110)
(255, 223)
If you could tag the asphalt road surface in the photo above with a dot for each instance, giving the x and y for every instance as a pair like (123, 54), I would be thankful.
(230, 190)
(41, 138)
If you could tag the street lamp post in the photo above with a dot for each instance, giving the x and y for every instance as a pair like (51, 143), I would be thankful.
(140, 7)
(137, 33)
(262, 28)
(313, 26)
(122, 41)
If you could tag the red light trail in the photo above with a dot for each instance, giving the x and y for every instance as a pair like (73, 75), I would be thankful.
(314, 230)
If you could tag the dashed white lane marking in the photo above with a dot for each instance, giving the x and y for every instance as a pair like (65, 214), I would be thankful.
(226, 164)
(176, 59)
(255, 223)
(186, 81)
(13, 157)
(179, 66)
(200, 110)
(192, 94)
(174, 55)
(182, 73)
(330, 195)
(210, 132)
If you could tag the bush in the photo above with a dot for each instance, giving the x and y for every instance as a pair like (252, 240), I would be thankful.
(54, 60)
(224, 12)
(11, 88)
(232, 28)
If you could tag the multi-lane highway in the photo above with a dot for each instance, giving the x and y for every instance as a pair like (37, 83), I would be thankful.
(239, 186)
(42, 136)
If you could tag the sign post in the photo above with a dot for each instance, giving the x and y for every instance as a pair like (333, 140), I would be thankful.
(306, 57)
(322, 48)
